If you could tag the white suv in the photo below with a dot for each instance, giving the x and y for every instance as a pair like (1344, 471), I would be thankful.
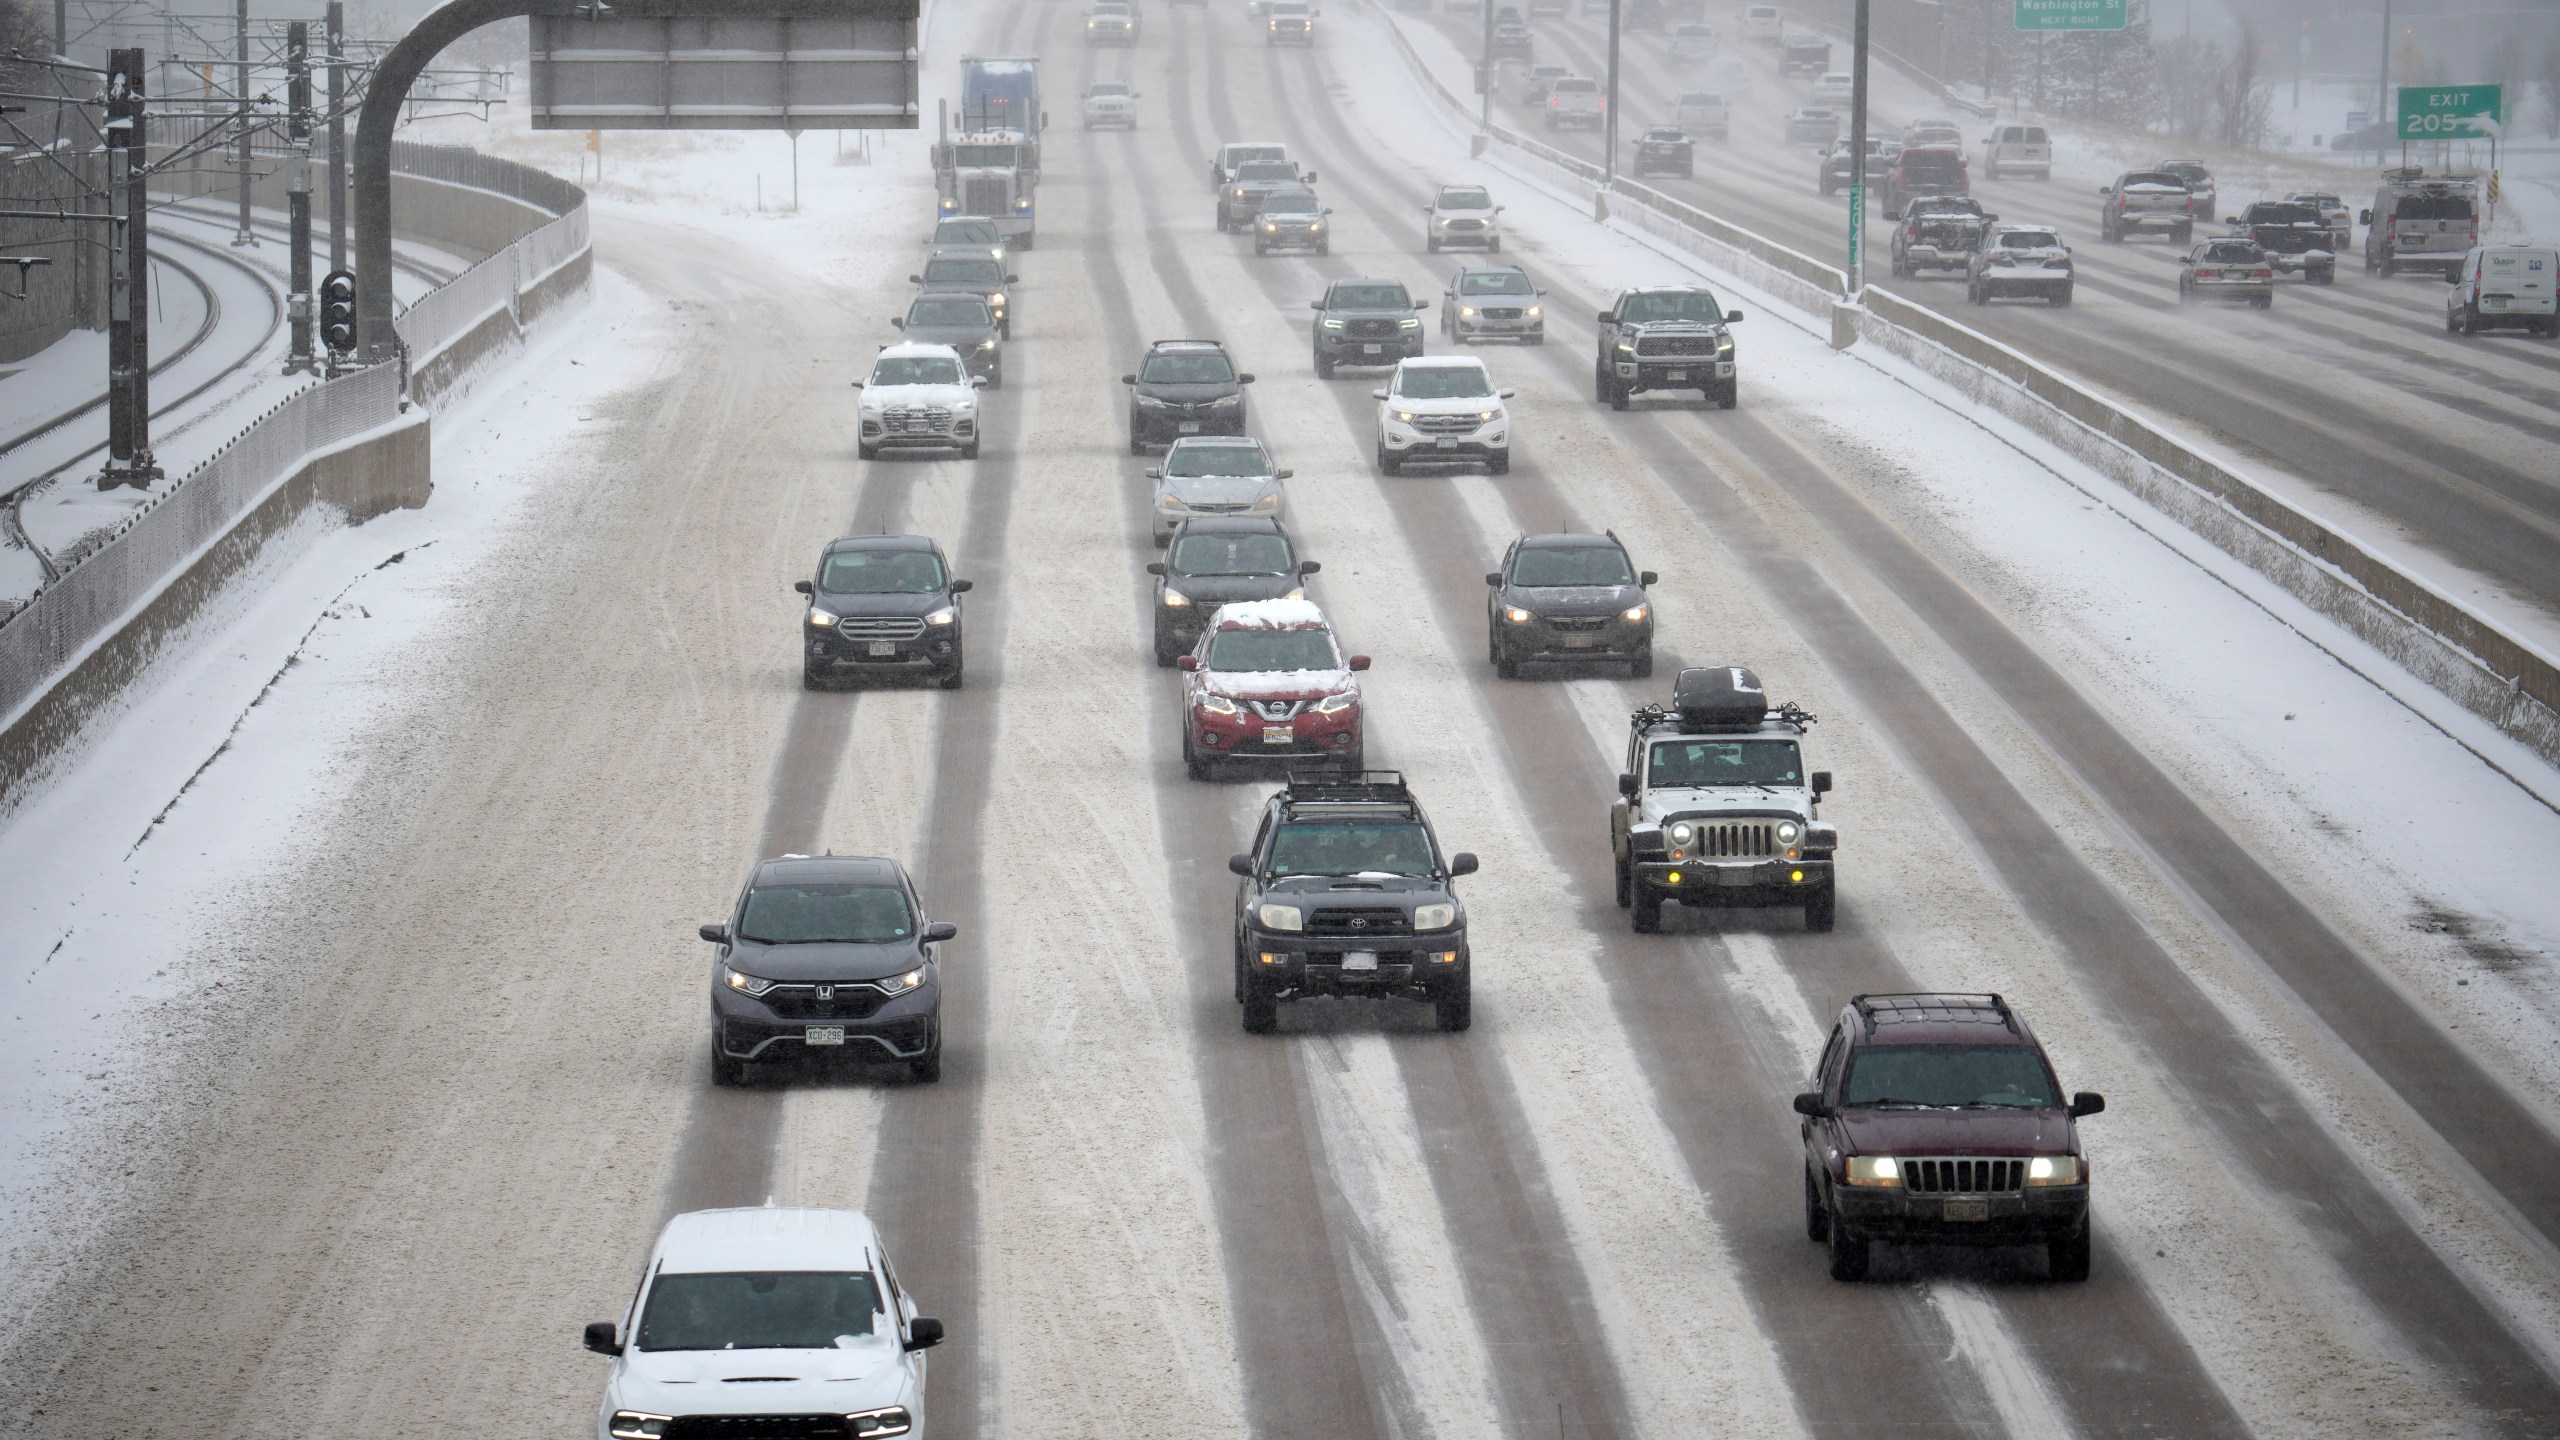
(1463, 215)
(919, 396)
(1443, 407)
(1110, 102)
(800, 1306)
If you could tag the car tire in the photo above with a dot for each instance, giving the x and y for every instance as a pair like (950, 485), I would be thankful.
(2067, 1258)
(1817, 1221)
(1261, 249)
(1599, 384)
(1624, 881)
(1324, 366)
(1324, 247)
(927, 1068)
(955, 677)
(866, 452)
(1165, 654)
(1498, 463)
(1822, 909)
(2264, 302)
(1261, 1012)
(1975, 295)
(2390, 265)
(2183, 235)
(1431, 244)
(1641, 667)
(1644, 911)
(1732, 396)
(1618, 395)
(1355, 762)
(1538, 337)
(1388, 464)
(1136, 445)
(1453, 1005)
(2325, 277)
(2470, 323)
(2062, 297)
(1192, 763)
(1492, 247)
(725, 1071)
(969, 451)
(1849, 1255)
(811, 677)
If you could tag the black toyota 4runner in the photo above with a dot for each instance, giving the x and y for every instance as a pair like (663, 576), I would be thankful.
(1937, 1120)
(1365, 322)
(1345, 892)
(1666, 338)
(827, 953)
(882, 603)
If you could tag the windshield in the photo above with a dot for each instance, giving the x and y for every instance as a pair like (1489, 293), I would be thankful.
(1241, 154)
(1217, 460)
(1724, 762)
(966, 232)
(2030, 240)
(816, 914)
(950, 310)
(963, 270)
(1252, 650)
(1207, 368)
(1458, 197)
(1265, 170)
(1291, 202)
(1647, 309)
(1442, 382)
(1495, 282)
(1701, 97)
(2006, 1075)
(1368, 297)
(1393, 847)
(982, 155)
(2159, 178)
(917, 370)
(2284, 215)
(2189, 172)
(1547, 565)
(881, 572)
(1576, 85)
(2432, 207)
(2230, 254)
(763, 1311)
(1215, 554)
(1108, 90)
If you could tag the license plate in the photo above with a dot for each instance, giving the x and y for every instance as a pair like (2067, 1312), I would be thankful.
(882, 648)
(1446, 442)
(1968, 1210)
(1677, 375)
(822, 1035)
(1360, 960)
(1189, 427)
(1373, 349)
(1577, 642)
(1279, 734)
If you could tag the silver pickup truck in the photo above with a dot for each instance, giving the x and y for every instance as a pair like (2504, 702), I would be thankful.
(1575, 100)
(2152, 200)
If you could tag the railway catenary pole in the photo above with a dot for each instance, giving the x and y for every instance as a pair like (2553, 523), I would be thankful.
(336, 26)
(297, 186)
(240, 98)
(129, 458)
(1609, 115)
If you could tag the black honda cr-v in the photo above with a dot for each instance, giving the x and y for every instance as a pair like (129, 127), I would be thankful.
(826, 954)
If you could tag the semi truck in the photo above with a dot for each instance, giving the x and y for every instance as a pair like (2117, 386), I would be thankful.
(991, 164)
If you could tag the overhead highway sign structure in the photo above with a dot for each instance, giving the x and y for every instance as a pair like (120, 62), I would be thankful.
(837, 67)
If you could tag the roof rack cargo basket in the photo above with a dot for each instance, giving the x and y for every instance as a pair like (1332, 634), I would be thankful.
(1358, 785)
(1931, 1005)
(1719, 697)
(1180, 341)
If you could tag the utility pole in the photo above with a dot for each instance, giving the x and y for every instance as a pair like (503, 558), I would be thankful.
(1858, 153)
(1609, 115)
(2382, 82)
(298, 358)
(337, 31)
(244, 236)
(1484, 98)
(129, 459)
(61, 29)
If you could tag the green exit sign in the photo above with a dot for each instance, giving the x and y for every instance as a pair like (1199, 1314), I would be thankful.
(2071, 14)
(2449, 112)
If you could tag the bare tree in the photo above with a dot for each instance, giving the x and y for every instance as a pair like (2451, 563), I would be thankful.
(22, 32)
(2551, 85)
(2242, 104)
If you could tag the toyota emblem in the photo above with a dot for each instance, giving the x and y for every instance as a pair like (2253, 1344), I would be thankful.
(1359, 924)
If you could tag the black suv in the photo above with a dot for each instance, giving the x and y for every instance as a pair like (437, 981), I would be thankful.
(1215, 560)
(827, 952)
(1937, 1120)
(1345, 892)
(963, 322)
(1365, 322)
(2295, 236)
(1568, 597)
(1184, 387)
(1664, 151)
(881, 603)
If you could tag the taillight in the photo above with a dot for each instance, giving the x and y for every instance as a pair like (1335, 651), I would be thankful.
(2208, 274)
(2262, 273)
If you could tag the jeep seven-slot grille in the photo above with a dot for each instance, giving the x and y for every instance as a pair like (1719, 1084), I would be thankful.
(1676, 345)
(1963, 1177)
(880, 627)
(1359, 921)
(1734, 839)
(760, 1427)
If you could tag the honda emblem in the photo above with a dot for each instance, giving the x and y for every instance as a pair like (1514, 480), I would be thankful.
(826, 992)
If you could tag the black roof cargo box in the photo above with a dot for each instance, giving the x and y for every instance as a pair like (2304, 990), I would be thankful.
(1720, 697)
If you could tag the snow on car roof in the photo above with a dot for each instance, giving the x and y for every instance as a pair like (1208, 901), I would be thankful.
(1270, 615)
(916, 350)
(1440, 362)
(767, 1237)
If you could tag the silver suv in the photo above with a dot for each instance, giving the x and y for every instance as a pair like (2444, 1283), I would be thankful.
(1493, 302)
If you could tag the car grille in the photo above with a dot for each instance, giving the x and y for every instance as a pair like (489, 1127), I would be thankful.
(985, 196)
(1276, 709)
(1963, 1177)
(1676, 345)
(1369, 329)
(1466, 225)
(1217, 507)
(760, 1427)
(934, 421)
(880, 627)
(1363, 920)
(1733, 839)
(1577, 622)
(1445, 424)
(1510, 312)
(842, 1002)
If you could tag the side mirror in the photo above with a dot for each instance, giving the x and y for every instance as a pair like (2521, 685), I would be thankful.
(1240, 865)
(1359, 662)
(1130, 379)
(716, 934)
(1498, 209)
(2364, 217)
(1186, 663)
(1421, 304)
(1378, 394)
(1315, 304)
(1541, 291)
(2087, 1102)
(1283, 474)
(1155, 567)
(2230, 219)
(2106, 189)
(1646, 577)
(977, 382)
(804, 587)
(939, 931)
(1507, 394)
(1245, 379)
(1821, 782)
(915, 279)
(1427, 209)
(1493, 578)
(1627, 786)
(1309, 177)
(1809, 1103)
(1607, 319)
(897, 322)
(963, 587)
(923, 1333)
(1013, 279)
(1308, 567)
(1155, 472)
(1462, 863)
(1328, 210)
(1733, 317)
(599, 1338)
(857, 384)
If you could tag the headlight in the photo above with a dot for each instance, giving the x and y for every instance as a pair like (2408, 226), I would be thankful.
(1516, 615)
(1486, 416)
(986, 347)
(1314, 225)
(1333, 324)
(901, 984)
(1217, 705)
(879, 1424)
(1626, 347)
(1148, 402)
(1680, 834)
(1235, 399)
(1022, 204)
(633, 1425)
(1337, 703)
(1298, 594)
(943, 616)
(1876, 1170)
(1405, 416)
(1535, 312)
(1281, 917)
(1271, 226)
(1787, 832)
(1724, 345)
(744, 984)
(1467, 311)
(1634, 612)
(1170, 501)
(1434, 917)
(2054, 1170)
(1267, 502)
(1409, 323)
(996, 300)
(821, 620)
(1175, 598)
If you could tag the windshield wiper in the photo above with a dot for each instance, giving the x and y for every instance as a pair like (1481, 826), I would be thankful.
(1895, 1100)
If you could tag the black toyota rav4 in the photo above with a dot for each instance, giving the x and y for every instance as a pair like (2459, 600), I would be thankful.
(1345, 892)
(1568, 597)
(826, 953)
(881, 604)
(1937, 1120)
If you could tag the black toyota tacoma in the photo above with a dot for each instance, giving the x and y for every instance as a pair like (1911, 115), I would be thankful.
(2296, 237)
(1345, 892)
(1365, 322)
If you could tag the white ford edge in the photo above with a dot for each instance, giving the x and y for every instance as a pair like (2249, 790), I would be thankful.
(1443, 407)
(772, 1313)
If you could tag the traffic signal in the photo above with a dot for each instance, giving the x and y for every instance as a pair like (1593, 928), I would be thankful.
(338, 311)
(124, 100)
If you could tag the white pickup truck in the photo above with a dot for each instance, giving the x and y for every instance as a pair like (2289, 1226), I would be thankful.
(1702, 113)
(1575, 100)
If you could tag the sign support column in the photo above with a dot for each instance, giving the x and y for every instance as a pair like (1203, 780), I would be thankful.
(1858, 154)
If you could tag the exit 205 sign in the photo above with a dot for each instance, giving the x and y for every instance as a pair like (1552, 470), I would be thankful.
(2450, 112)
(2071, 14)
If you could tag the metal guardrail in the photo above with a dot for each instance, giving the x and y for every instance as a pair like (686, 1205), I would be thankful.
(2487, 670)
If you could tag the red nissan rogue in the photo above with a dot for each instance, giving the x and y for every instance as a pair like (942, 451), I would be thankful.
(1267, 681)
